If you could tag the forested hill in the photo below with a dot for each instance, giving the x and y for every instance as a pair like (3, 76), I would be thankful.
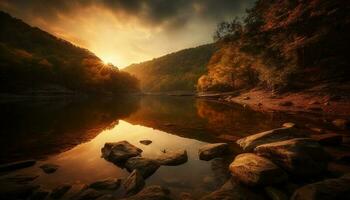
(33, 61)
(177, 71)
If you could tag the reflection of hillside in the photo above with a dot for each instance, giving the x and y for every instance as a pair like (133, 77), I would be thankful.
(235, 119)
(176, 115)
(45, 128)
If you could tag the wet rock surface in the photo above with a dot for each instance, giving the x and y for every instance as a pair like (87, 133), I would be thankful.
(145, 166)
(210, 151)
(106, 184)
(152, 193)
(300, 156)
(253, 170)
(328, 139)
(328, 189)
(249, 143)
(133, 183)
(119, 151)
(87, 194)
(16, 165)
(59, 191)
(173, 158)
(49, 168)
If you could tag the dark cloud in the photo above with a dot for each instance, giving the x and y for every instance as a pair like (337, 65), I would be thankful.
(172, 13)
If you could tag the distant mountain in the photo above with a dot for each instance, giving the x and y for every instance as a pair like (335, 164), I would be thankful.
(177, 71)
(33, 61)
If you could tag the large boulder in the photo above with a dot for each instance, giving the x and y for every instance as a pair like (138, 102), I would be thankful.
(249, 143)
(328, 189)
(299, 156)
(232, 190)
(133, 183)
(153, 192)
(254, 170)
(118, 152)
(210, 151)
(145, 166)
(173, 158)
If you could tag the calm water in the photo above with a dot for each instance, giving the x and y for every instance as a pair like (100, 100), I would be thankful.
(72, 133)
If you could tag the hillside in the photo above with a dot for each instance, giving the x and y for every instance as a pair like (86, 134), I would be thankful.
(33, 61)
(177, 71)
(282, 46)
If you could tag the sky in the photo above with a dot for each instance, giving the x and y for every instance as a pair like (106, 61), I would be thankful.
(123, 32)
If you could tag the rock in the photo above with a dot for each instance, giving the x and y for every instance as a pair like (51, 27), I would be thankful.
(106, 197)
(88, 194)
(21, 178)
(328, 139)
(173, 158)
(232, 138)
(315, 108)
(253, 170)
(232, 191)
(289, 124)
(119, 151)
(249, 143)
(106, 184)
(39, 194)
(314, 102)
(341, 124)
(328, 189)
(186, 196)
(246, 98)
(153, 192)
(145, 166)
(10, 190)
(146, 142)
(210, 151)
(49, 168)
(134, 182)
(286, 103)
(275, 194)
(16, 165)
(300, 156)
(59, 191)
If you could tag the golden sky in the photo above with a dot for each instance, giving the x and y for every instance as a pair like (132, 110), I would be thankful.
(123, 32)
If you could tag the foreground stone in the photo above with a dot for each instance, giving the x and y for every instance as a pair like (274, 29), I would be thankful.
(173, 158)
(328, 189)
(119, 151)
(16, 165)
(232, 191)
(59, 191)
(145, 166)
(146, 142)
(210, 151)
(249, 143)
(49, 168)
(134, 183)
(152, 193)
(328, 139)
(106, 184)
(253, 170)
(300, 156)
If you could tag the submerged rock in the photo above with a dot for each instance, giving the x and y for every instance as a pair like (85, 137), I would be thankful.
(16, 165)
(134, 183)
(328, 189)
(145, 166)
(106, 184)
(152, 193)
(253, 170)
(300, 156)
(119, 151)
(21, 178)
(328, 139)
(279, 134)
(49, 168)
(173, 158)
(210, 151)
(59, 191)
(232, 191)
(146, 142)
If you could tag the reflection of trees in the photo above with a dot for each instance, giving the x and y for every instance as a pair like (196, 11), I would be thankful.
(43, 128)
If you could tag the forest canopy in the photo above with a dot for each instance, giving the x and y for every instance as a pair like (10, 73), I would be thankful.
(281, 45)
(32, 60)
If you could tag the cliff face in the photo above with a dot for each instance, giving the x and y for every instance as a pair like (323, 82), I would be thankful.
(282, 45)
(34, 60)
